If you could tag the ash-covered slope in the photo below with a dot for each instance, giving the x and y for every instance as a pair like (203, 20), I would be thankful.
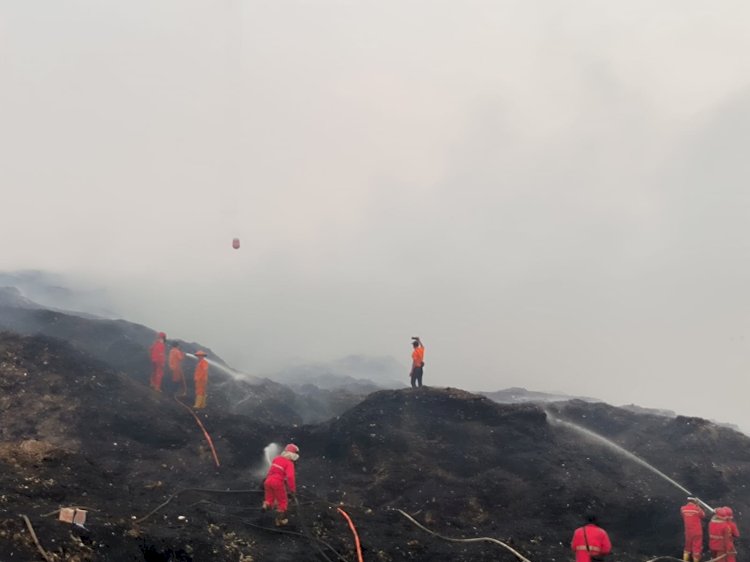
(471, 467)
(124, 347)
(73, 432)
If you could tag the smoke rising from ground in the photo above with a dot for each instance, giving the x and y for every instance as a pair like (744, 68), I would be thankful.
(552, 195)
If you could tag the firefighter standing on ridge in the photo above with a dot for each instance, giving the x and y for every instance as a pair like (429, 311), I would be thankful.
(590, 542)
(201, 380)
(158, 355)
(692, 517)
(176, 357)
(417, 362)
(280, 477)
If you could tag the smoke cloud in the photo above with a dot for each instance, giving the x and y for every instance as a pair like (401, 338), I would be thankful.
(552, 195)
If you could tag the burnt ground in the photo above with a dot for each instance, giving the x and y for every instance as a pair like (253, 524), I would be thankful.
(74, 432)
(124, 347)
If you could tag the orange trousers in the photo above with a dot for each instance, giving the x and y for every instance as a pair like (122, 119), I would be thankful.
(157, 373)
(276, 494)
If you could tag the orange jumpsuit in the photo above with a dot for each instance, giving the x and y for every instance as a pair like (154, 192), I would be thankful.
(280, 477)
(721, 534)
(692, 517)
(158, 354)
(201, 381)
(589, 541)
(417, 366)
(176, 356)
(735, 533)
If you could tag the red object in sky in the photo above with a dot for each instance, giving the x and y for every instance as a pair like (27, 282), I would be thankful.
(236, 243)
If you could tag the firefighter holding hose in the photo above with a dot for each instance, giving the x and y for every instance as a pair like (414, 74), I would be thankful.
(200, 376)
(722, 530)
(692, 517)
(176, 357)
(734, 533)
(280, 478)
(157, 354)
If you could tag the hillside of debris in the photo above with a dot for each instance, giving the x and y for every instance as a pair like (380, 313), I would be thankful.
(124, 347)
(74, 432)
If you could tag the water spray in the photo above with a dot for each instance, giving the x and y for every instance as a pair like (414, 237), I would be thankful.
(227, 370)
(617, 448)
(271, 451)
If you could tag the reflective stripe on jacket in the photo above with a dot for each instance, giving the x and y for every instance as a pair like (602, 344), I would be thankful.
(590, 539)
(283, 469)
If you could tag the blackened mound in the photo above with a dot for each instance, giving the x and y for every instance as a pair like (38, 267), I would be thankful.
(75, 432)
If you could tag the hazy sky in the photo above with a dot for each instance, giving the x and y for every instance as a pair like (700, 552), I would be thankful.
(553, 194)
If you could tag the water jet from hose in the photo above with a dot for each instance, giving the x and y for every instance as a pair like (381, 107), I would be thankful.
(617, 448)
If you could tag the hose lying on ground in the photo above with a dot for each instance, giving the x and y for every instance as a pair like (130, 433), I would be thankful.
(309, 535)
(36, 540)
(354, 532)
(205, 490)
(477, 539)
(306, 535)
(200, 424)
(314, 540)
(720, 557)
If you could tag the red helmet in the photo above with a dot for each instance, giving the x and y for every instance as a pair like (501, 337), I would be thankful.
(721, 512)
(292, 448)
(728, 512)
(161, 335)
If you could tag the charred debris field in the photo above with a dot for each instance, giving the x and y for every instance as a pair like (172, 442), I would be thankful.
(78, 432)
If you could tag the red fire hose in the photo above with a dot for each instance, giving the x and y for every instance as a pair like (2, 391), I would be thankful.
(354, 532)
(200, 424)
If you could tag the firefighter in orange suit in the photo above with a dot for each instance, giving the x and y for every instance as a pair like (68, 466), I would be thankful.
(590, 542)
(692, 517)
(722, 531)
(157, 352)
(201, 380)
(734, 533)
(281, 478)
(176, 357)
(417, 362)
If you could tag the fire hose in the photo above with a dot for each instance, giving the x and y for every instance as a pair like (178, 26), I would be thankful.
(475, 539)
(720, 557)
(450, 539)
(200, 424)
(178, 492)
(354, 532)
(314, 540)
(306, 534)
(39, 546)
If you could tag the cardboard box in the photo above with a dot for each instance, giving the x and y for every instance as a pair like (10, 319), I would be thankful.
(80, 517)
(73, 515)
